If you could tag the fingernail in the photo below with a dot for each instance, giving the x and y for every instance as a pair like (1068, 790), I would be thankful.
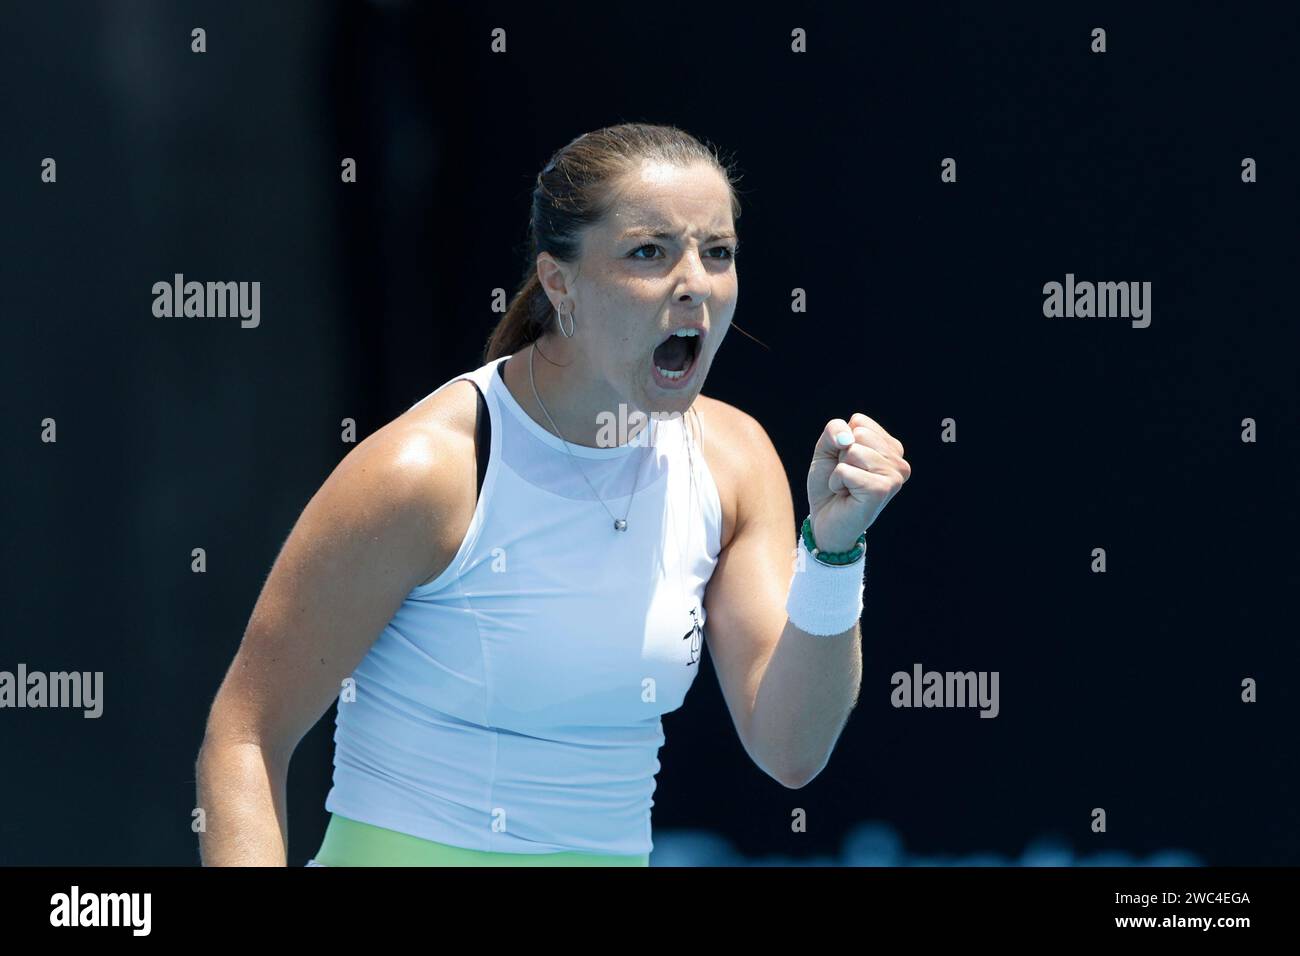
(844, 438)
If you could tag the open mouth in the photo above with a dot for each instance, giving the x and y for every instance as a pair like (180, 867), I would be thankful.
(674, 357)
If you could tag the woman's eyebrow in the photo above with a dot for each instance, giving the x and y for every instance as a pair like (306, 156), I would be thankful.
(659, 233)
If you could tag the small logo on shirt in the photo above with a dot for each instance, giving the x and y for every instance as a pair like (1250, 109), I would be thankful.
(696, 636)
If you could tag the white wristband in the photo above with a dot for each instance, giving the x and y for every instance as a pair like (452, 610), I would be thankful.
(825, 599)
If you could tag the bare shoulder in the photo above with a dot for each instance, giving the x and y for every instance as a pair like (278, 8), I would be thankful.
(427, 440)
(421, 466)
(723, 425)
(382, 522)
(736, 445)
(451, 410)
(727, 416)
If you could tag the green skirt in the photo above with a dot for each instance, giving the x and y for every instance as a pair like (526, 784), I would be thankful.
(352, 843)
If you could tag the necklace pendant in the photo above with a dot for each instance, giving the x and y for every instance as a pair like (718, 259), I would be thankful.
(620, 524)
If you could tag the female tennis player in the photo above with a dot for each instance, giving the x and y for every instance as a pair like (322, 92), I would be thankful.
(506, 587)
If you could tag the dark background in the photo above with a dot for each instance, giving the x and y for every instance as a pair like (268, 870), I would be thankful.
(1118, 690)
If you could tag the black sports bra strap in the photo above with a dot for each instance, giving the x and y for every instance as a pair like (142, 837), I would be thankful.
(483, 436)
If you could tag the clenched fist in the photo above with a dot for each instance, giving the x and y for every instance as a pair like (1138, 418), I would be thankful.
(850, 484)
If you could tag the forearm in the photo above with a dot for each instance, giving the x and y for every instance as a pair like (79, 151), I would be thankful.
(808, 687)
(241, 789)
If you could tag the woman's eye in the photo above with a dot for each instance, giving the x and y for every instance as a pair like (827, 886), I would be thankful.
(731, 252)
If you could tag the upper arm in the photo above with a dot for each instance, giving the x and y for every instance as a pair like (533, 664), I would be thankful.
(375, 529)
(745, 597)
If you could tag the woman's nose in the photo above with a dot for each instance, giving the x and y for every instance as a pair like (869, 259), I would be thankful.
(697, 276)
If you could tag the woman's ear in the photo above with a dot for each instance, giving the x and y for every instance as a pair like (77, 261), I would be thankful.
(553, 278)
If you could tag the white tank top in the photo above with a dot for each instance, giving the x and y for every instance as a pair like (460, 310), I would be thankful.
(513, 704)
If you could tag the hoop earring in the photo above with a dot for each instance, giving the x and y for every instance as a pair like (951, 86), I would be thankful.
(559, 320)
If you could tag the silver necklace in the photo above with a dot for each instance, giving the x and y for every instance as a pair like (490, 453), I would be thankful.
(620, 524)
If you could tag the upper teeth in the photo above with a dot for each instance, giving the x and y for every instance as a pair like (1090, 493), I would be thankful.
(686, 332)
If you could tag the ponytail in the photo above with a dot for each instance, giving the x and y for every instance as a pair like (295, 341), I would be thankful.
(523, 323)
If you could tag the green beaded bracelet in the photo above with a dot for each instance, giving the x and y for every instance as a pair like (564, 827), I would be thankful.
(836, 558)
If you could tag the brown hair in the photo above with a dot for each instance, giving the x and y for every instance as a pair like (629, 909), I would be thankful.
(574, 190)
